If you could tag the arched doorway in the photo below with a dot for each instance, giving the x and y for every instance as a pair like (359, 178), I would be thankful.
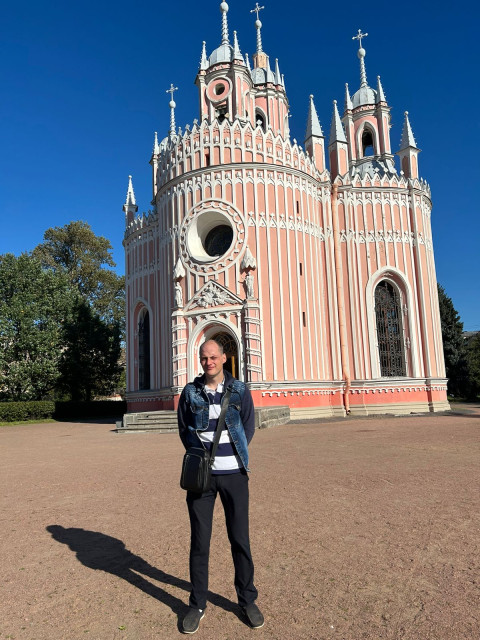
(230, 349)
(144, 351)
(389, 330)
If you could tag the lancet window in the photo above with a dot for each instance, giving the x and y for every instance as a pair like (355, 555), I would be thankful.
(144, 351)
(388, 314)
(368, 148)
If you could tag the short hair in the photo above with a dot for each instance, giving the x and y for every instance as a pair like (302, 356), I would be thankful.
(219, 344)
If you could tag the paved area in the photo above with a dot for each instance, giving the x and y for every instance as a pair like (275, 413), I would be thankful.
(361, 529)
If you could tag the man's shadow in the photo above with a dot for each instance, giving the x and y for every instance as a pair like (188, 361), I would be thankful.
(98, 551)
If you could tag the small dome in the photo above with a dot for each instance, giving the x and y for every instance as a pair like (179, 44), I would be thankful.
(374, 168)
(365, 95)
(224, 53)
(262, 76)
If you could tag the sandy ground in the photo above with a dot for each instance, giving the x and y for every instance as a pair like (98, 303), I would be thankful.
(361, 529)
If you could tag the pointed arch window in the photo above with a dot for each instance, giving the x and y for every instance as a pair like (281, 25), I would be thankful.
(368, 148)
(231, 351)
(260, 120)
(144, 351)
(388, 314)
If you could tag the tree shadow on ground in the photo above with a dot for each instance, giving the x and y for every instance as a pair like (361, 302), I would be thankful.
(98, 551)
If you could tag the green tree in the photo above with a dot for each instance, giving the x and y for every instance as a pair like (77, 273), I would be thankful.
(34, 304)
(90, 363)
(453, 346)
(75, 250)
(473, 360)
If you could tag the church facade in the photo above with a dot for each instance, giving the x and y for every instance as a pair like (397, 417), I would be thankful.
(317, 277)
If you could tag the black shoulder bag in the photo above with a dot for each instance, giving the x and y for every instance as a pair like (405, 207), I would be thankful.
(198, 462)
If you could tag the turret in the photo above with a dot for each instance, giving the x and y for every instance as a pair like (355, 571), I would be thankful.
(130, 207)
(367, 124)
(154, 163)
(408, 151)
(223, 79)
(270, 100)
(338, 147)
(314, 138)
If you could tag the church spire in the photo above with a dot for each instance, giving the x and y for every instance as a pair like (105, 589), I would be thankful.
(260, 59)
(172, 106)
(258, 26)
(224, 10)
(361, 55)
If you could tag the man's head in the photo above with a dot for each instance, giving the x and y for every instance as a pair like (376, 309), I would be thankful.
(212, 359)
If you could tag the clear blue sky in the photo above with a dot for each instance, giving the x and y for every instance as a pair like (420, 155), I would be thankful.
(83, 90)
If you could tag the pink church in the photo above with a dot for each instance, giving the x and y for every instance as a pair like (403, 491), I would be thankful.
(318, 279)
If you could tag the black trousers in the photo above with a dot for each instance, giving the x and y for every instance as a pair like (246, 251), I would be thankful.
(233, 491)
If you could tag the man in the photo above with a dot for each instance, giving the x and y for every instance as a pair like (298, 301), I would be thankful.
(198, 413)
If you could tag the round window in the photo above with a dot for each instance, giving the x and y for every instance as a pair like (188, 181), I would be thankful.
(218, 240)
(218, 90)
(210, 236)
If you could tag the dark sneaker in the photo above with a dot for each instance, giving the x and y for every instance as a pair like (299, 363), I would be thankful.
(191, 622)
(254, 616)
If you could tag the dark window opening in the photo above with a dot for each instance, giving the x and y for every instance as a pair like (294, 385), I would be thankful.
(144, 352)
(367, 143)
(301, 268)
(221, 113)
(219, 89)
(259, 120)
(389, 330)
(230, 350)
(218, 240)
(304, 318)
(207, 158)
(298, 206)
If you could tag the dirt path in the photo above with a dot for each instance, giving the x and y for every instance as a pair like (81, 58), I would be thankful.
(361, 529)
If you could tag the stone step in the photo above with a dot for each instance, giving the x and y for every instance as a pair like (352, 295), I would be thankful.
(148, 421)
(166, 421)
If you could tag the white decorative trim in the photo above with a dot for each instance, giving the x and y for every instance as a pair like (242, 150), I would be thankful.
(213, 294)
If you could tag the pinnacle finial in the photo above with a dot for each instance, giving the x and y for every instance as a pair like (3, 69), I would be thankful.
(172, 106)
(408, 139)
(237, 54)
(278, 77)
(313, 123)
(224, 10)
(130, 199)
(156, 148)
(380, 92)
(361, 54)
(337, 133)
(203, 58)
(348, 100)
(258, 26)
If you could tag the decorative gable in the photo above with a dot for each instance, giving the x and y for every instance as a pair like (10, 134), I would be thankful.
(213, 294)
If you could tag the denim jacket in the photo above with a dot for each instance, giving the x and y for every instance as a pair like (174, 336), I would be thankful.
(193, 410)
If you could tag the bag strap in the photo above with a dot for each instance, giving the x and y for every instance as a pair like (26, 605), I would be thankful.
(220, 424)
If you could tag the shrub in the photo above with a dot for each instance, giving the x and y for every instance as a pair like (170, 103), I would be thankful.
(93, 409)
(32, 410)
